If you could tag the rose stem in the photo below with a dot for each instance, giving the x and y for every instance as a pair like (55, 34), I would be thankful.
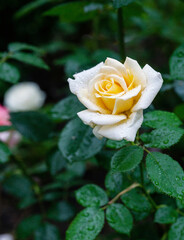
(121, 34)
(134, 185)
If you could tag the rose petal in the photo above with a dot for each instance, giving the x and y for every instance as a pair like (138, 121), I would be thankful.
(136, 71)
(91, 102)
(109, 70)
(95, 132)
(82, 79)
(126, 129)
(125, 102)
(117, 65)
(119, 80)
(154, 83)
(94, 118)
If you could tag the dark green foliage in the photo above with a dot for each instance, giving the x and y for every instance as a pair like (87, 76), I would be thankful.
(160, 170)
(77, 142)
(159, 119)
(9, 73)
(59, 167)
(177, 63)
(86, 225)
(166, 215)
(91, 196)
(163, 137)
(47, 231)
(176, 230)
(67, 108)
(4, 153)
(119, 218)
(126, 159)
(28, 124)
(27, 226)
(61, 211)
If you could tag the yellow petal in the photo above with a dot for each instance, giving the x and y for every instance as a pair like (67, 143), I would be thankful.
(121, 105)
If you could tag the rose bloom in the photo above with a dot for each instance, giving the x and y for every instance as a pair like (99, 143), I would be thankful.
(115, 95)
(24, 96)
(12, 138)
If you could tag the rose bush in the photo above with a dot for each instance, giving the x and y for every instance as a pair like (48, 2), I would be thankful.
(115, 95)
(24, 96)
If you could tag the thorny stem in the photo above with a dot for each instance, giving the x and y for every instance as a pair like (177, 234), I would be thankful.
(134, 185)
(121, 34)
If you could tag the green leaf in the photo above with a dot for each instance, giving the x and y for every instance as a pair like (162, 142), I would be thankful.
(176, 231)
(165, 215)
(18, 186)
(114, 182)
(61, 211)
(121, 3)
(27, 226)
(179, 88)
(179, 111)
(119, 218)
(47, 231)
(29, 7)
(176, 63)
(32, 125)
(56, 162)
(77, 142)
(77, 9)
(77, 168)
(126, 159)
(166, 174)
(91, 195)
(9, 73)
(18, 46)
(164, 137)
(159, 119)
(136, 201)
(4, 153)
(116, 144)
(86, 225)
(30, 58)
(67, 108)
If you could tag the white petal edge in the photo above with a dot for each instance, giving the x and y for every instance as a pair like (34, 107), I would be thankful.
(126, 129)
(137, 72)
(109, 70)
(82, 79)
(154, 83)
(117, 65)
(94, 118)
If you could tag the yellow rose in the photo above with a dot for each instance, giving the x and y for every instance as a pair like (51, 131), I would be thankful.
(115, 95)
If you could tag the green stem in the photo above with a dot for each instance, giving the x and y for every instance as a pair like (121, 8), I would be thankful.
(121, 34)
(95, 32)
(142, 173)
(180, 212)
(35, 185)
(164, 237)
(134, 185)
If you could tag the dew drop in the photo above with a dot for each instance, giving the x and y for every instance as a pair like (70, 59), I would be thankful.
(179, 197)
(156, 183)
(177, 178)
(86, 214)
(91, 228)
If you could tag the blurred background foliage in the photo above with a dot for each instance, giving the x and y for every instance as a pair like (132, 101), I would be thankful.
(65, 37)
